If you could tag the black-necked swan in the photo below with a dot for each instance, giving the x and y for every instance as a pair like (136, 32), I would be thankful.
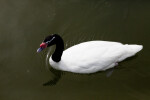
(87, 57)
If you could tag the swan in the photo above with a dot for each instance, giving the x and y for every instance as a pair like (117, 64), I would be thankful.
(87, 57)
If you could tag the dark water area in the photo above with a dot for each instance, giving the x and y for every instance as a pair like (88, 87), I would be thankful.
(25, 23)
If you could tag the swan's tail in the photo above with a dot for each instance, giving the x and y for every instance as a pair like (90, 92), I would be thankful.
(131, 50)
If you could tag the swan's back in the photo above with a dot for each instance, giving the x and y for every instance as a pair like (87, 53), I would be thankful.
(93, 56)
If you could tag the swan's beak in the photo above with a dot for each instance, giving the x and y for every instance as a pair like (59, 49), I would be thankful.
(39, 49)
(42, 46)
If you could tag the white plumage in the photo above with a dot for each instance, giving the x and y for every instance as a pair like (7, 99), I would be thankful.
(93, 56)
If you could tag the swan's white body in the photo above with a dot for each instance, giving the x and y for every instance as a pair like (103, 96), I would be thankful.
(93, 56)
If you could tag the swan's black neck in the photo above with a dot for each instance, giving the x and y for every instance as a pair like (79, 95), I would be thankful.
(56, 56)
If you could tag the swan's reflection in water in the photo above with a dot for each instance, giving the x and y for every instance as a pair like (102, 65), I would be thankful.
(56, 77)
(56, 74)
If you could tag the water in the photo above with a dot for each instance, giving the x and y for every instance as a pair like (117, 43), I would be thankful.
(25, 75)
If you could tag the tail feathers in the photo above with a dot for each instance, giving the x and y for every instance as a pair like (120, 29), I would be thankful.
(131, 50)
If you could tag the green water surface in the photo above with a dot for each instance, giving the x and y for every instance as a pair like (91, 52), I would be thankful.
(25, 23)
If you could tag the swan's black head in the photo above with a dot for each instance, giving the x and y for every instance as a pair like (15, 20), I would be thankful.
(48, 41)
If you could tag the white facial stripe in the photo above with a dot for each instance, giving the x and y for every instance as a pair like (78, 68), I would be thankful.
(50, 40)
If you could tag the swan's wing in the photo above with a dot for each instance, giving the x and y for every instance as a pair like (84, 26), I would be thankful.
(93, 55)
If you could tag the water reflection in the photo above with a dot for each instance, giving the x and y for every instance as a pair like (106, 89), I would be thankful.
(56, 77)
